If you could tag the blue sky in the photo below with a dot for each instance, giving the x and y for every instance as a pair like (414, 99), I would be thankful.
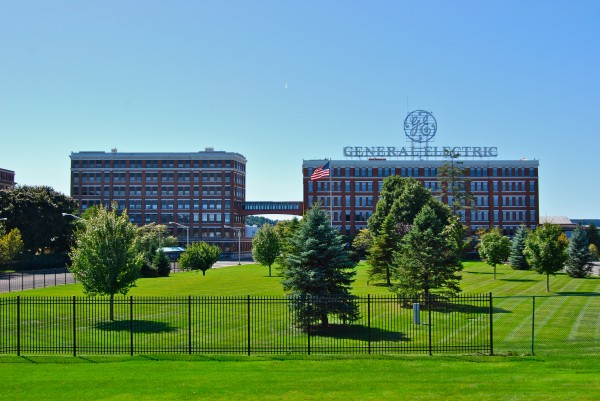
(185, 75)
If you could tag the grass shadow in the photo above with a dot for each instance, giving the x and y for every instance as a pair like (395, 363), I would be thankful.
(519, 280)
(578, 294)
(357, 332)
(139, 326)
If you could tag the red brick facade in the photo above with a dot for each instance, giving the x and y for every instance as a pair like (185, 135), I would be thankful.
(506, 192)
(7, 179)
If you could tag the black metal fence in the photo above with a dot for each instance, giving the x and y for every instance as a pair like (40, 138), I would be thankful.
(240, 325)
(32, 279)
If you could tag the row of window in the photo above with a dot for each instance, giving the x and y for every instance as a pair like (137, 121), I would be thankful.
(427, 171)
(434, 186)
(158, 164)
(166, 176)
(152, 190)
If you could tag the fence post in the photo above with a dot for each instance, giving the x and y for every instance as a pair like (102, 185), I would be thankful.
(131, 325)
(369, 321)
(249, 342)
(34, 279)
(189, 324)
(44, 278)
(491, 324)
(532, 325)
(74, 328)
(18, 325)
(9, 282)
(55, 276)
(308, 309)
(22, 280)
(430, 324)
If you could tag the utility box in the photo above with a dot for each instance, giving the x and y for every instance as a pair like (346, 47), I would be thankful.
(417, 313)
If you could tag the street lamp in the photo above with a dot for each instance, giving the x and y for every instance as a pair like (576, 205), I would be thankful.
(70, 215)
(187, 229)
(238, 231)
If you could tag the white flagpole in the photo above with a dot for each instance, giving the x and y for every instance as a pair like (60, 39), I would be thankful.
(330, 197)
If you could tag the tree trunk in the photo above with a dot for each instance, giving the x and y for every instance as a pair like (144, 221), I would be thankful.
(204, 272)
(324, 320)
(387, 276)
(494, 272)
(269, 270)
(112, 307)
(547, 282)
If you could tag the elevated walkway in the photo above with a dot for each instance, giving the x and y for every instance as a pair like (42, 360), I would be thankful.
(253, 208)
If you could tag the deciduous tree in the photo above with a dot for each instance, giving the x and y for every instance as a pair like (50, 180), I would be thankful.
(11, 245)
(199, 256)
(545, 250)
(266, 246)
(37, 212)
(105, 260)
(319, 272)
(579, 259)
(494, 248)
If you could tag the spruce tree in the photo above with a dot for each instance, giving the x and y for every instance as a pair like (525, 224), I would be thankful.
(429, 258)
(579, 259)
(318, 273)
(517, 258)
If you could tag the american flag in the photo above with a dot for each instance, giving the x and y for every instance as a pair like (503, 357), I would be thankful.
(320, 172)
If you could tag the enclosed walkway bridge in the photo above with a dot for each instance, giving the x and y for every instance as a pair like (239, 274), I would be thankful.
(252, 208)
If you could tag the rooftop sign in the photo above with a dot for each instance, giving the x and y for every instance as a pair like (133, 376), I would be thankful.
(420, 127)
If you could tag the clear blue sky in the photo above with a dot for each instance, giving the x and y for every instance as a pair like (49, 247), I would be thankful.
(184, 75)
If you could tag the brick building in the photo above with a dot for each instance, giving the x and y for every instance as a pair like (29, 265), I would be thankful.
(202, 191)
(506, 192)
(7, 179)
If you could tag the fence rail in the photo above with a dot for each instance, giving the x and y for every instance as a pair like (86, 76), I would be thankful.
(240, 325)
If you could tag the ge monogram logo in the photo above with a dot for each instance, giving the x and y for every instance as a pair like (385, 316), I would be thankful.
(420, 126)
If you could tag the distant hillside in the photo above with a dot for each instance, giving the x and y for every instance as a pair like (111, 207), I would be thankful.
(259, 221)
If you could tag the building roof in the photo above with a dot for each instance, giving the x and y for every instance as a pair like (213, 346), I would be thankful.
(207, 154)
(560, 220)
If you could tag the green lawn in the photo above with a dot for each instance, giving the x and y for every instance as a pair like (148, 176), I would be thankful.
(305, 378)
(565, 367)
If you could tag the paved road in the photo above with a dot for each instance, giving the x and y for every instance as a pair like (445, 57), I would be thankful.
(28, 280)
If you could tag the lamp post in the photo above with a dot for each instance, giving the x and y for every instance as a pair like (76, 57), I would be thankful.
(70, 215)
(238, 231)
(187, 230)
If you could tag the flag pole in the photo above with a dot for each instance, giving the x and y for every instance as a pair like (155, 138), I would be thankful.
(330, 197)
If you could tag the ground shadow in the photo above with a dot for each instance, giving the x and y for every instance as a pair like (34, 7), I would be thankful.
(357, 332)
(519, 280)
(578, 294)
(139, 326)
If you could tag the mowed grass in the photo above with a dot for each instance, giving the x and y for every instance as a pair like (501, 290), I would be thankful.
(253, 279)
(306, 378)
(566, 375)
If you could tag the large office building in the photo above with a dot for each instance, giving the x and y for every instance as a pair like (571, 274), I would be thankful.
(197, 195)
(505, 192)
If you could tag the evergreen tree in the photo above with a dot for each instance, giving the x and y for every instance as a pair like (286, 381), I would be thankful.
(401, 199)
(319, 272)
(286, 230)
(455, 184)
(545, 250)
(579, 260)
(161, 264)
(494, 248)
(266, 246)
(593, 235)
(429, 258)
(517, 258)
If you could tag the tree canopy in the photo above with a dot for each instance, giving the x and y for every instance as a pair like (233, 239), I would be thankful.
(199, 256)
(401, 199)
(266, 246)
(319, 272)
(545, 250)
(428, 260)
(37, 212)
(104, 258)
(494, 248)
(579, 259)
(517, 258)
(10, 245)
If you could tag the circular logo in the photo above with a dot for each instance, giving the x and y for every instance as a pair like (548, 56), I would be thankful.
(420, 126)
